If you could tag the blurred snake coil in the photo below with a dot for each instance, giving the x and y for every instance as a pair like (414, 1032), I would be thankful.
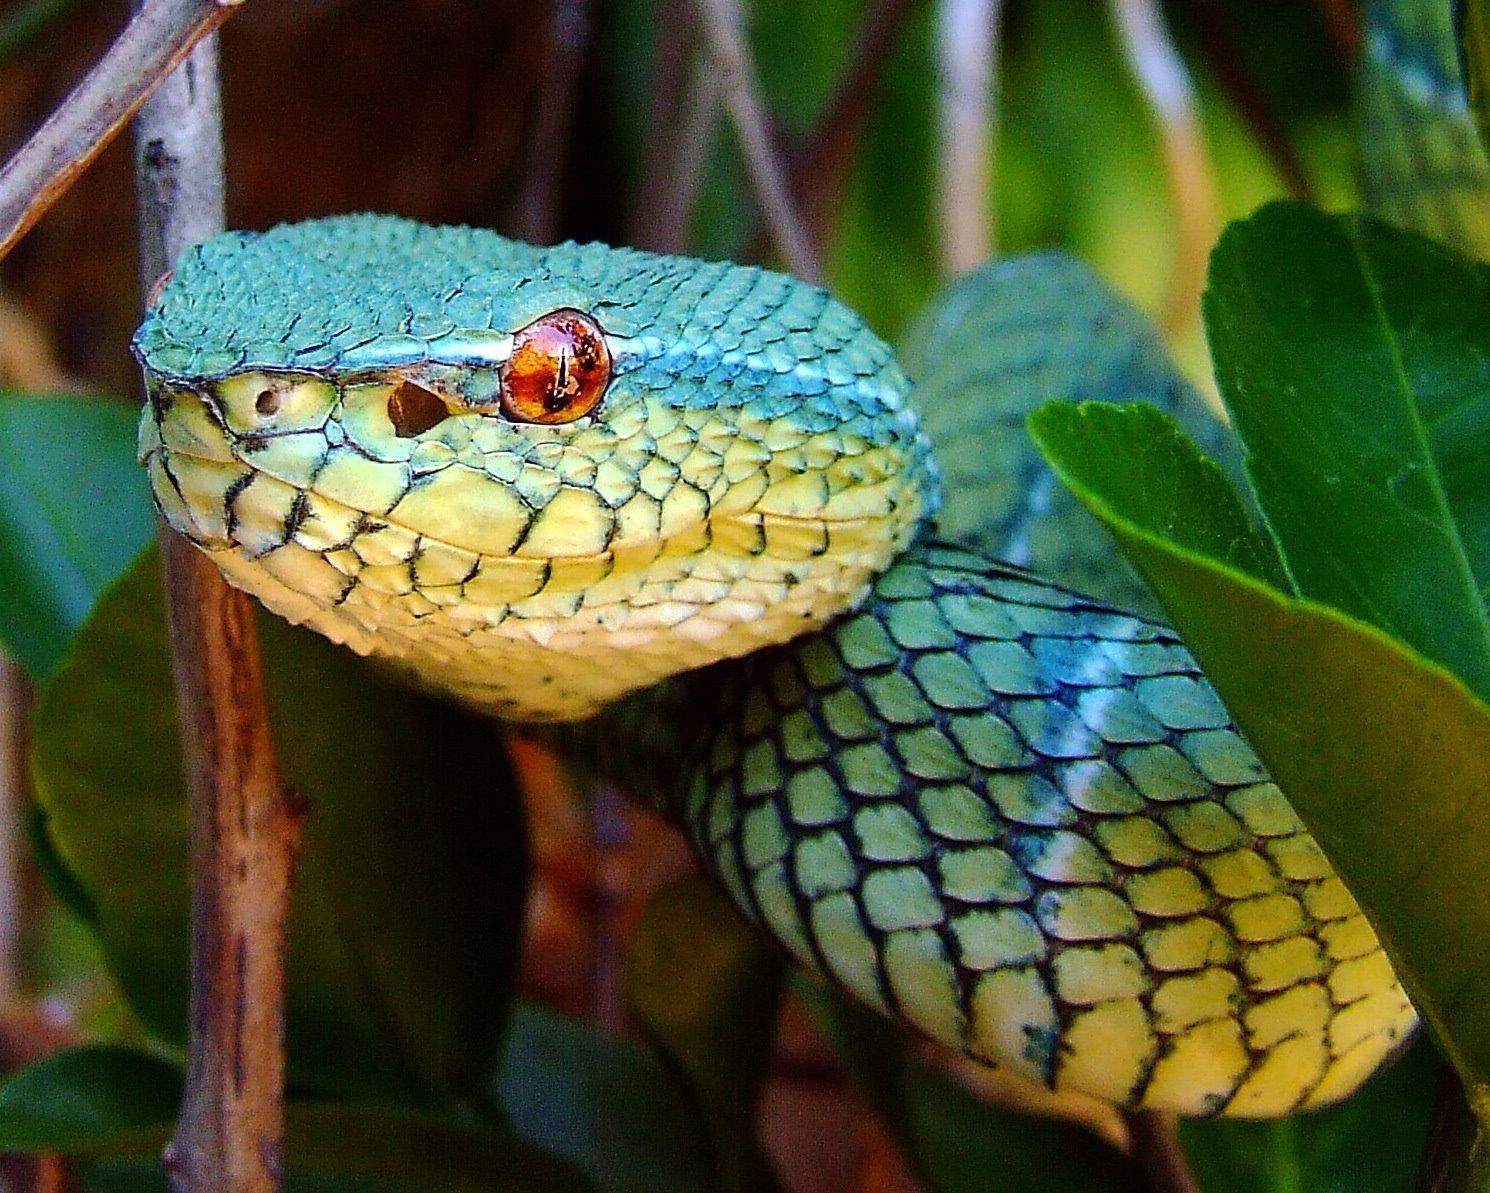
(695, 499)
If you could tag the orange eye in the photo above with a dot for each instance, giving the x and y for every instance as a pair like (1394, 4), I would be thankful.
(558, 369)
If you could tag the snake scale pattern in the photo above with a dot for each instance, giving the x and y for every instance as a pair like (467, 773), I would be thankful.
(1010, 816)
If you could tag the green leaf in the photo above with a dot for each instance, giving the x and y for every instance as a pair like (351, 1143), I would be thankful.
(603, 1102)
(955, 1142)
(86, 1099)
(1423, 165)
(1352, 357)
(393, 1147)
(1373, 1140)
(74, 510)
(1385, 754)
(988, 351)
(705, 986)
(121, 1104)
(409, 896)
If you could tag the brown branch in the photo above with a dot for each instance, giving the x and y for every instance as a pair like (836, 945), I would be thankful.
(536, 211)
(244, 826)
(663, 213)
(1157, 1153)
(1166, 87)
(967, 57)
(820, 164)
(682, 116)
(158, 37)
(723, 28)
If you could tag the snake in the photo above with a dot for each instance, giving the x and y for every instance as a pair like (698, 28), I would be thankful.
(694, 502)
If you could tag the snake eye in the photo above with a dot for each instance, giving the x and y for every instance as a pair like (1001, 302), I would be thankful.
(558, 369)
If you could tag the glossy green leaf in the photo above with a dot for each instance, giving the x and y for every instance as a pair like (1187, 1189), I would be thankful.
(409, 896)
(1373, 1140)
(1423, 165)
(993, 346)
(955, 1142)
(392, 1147)
(86, 1099)
(366, 1148)
(705, 986)
(1352, 358)
(603, 1102)
(121, 1104)
(74, 510)
(1385, 754)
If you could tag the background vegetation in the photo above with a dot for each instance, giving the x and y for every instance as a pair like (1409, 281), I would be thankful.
(420, 916)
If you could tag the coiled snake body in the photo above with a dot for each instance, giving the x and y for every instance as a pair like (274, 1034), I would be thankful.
(538, 480)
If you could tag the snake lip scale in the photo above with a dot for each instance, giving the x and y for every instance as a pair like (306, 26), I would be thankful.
(695, 499)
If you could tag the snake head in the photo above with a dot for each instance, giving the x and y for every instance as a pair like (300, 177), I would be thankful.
(536, 478)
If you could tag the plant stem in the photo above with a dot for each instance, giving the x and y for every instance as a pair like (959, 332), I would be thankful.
(536, 212)
(1456, 1158)
(1158, 1155)
(723, 28)
(967, 56)
(662, 214)
(1166, 86)
(159, 35)
(820, 163)
(245, 827)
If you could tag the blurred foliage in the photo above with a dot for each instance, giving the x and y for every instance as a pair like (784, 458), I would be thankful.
(410, 902)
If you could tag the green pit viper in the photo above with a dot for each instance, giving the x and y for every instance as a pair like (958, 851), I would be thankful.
(548, 482)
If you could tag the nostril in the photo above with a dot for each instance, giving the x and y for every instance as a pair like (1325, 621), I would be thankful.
(267, 403)
(412, 410)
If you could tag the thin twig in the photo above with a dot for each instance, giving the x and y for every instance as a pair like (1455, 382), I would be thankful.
(1455, 1156)
(967, 56)
(540, 196)
(159, 35)
(1157, 1153)
(244, 825)
(820, 163)
(672, 68)
(723, 27)
(662, 217)
(1166, 86)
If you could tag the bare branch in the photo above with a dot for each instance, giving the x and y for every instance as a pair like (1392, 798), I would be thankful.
(158, 37)
(663, 213)
(1166, 86)
(723, 29)
(245, 828)
(672, 67)
(1158, 1155)
(822, 161)
(967, 56)
(536, 211)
